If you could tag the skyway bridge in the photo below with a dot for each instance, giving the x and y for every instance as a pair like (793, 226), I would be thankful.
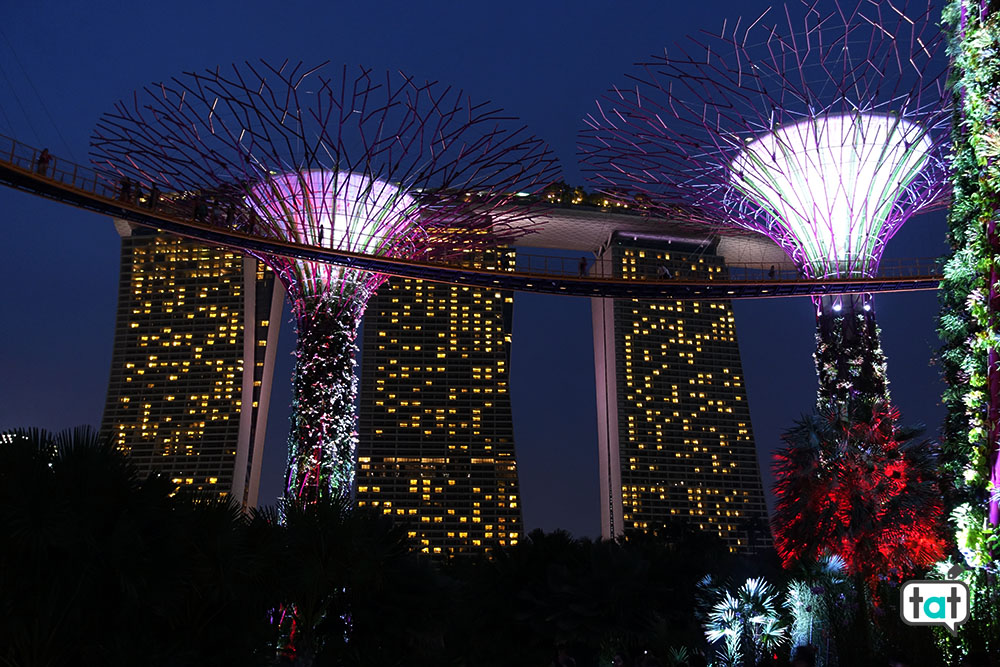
(85, 188)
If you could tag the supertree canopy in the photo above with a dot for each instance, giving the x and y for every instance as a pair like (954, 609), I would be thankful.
(825, 131)
(376, 164)
(831, 183)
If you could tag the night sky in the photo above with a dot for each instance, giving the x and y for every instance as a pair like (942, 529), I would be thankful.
(63, 64)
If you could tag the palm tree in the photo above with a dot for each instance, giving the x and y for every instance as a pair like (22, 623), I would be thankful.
(525, 592)
(61, 498)
(353, 593)
(316, 541)
(852, 483)
(747, 622)
(816, 601)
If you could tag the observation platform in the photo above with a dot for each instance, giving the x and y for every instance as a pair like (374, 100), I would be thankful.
(750, 258)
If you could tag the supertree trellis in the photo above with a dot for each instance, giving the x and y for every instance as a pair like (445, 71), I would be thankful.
(825, 131)
(377, 164)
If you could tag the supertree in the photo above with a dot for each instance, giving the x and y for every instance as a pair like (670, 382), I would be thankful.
(350, 160)
(825, 131)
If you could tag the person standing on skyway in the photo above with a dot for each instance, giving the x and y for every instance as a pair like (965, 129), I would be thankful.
(42, 164)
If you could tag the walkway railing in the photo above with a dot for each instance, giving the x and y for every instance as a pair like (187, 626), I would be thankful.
(33, 170)
(56, 169)
(568, 266)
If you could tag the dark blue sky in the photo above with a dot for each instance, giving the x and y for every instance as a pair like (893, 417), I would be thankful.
(64, 63)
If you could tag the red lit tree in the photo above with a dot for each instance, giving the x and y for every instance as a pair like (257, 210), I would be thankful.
(851, 482)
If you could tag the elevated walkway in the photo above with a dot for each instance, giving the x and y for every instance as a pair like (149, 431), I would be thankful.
(83, 187)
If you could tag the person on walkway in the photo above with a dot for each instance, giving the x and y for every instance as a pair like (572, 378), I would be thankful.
(154, 197)
(200, 209)
(125, 189)
(770, 274)
(583, 267)
(42, 164)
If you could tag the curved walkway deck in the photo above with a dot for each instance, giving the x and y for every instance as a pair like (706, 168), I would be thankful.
(85, 188)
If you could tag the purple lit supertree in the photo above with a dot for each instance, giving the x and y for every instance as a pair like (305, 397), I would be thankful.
(383, 165)
(825, 131)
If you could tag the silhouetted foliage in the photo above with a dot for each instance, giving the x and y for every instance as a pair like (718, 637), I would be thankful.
(633, 597)
(100, 566)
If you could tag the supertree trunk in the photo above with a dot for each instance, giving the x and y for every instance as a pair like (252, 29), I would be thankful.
(323, 434)
(849, 358)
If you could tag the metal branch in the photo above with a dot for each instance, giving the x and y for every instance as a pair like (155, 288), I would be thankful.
(677, 138)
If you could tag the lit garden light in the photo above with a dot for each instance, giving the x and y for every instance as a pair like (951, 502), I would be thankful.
(378, 165)
(826, 132)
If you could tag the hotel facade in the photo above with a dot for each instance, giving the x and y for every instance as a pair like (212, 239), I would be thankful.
(675, 437)
(436, 437)
(195, 338)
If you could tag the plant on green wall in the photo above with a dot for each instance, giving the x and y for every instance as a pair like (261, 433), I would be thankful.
(969, 323)
(967, 326)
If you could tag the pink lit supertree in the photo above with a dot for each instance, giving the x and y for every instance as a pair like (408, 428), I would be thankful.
(378, 164)
(825, 130)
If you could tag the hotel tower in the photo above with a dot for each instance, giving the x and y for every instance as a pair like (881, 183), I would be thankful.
(195, 339)
(676, 442)
(436, 437)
